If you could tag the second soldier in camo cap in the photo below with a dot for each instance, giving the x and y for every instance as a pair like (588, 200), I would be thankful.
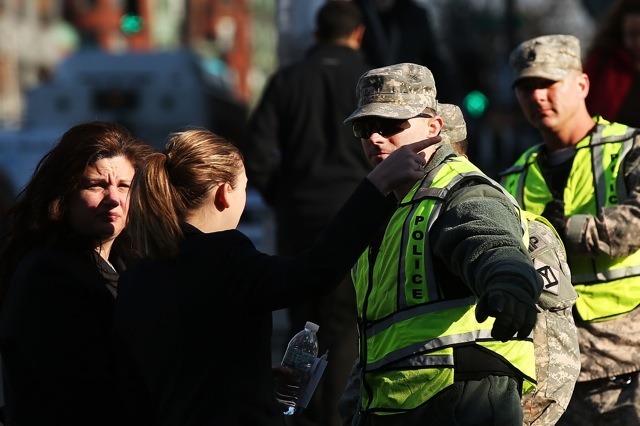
(584, 179)
(551, 57)
(454, 128)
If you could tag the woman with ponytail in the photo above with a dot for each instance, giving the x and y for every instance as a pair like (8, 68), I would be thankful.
(193, 318)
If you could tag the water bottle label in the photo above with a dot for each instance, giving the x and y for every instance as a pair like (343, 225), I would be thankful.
(298, 360)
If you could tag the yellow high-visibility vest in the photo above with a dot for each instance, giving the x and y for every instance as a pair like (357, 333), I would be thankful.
(407, 326)
(607, 286)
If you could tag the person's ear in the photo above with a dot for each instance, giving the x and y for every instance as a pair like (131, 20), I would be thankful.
(221, 197)
(435, 126)
(583, 85)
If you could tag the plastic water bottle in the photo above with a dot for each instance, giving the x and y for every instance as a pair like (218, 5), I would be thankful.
(300, 357)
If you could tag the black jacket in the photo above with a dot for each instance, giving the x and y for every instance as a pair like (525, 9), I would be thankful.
(300, 156)
(55, 339)
(405, 33)
(194, 333)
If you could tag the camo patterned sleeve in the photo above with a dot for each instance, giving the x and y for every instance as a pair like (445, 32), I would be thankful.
(614, 231)
(555, 336)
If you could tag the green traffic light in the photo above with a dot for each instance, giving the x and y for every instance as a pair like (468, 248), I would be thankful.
(131, 24)
(475, 103)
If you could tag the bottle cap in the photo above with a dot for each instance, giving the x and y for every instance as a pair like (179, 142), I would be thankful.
(312, 326)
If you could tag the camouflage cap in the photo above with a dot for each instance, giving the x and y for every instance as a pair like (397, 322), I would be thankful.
(398, 91)
(551, 57)
(454, 128)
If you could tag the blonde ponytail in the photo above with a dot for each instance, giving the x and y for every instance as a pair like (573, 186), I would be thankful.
(173, 184)
(153, 220)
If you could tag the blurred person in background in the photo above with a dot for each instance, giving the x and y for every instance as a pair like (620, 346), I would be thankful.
(585, 180)
(305, 163)
(193, 319)
(58, 279)
(613, 65)
(402, 31)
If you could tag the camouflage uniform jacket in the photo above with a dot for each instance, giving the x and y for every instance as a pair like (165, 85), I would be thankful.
(614, 231)
(611, 348)
(555, 336)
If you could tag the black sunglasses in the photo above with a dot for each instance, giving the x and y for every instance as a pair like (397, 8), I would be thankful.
(385, 127)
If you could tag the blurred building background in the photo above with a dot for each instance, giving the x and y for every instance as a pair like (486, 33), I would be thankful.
(37, 35)
(161, 65)
(231, 47)
(155, 65)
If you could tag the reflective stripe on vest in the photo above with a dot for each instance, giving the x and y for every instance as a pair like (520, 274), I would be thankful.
(407, 327)
(607, 286)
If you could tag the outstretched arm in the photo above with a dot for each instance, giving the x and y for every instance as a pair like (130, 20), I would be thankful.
(479, 239)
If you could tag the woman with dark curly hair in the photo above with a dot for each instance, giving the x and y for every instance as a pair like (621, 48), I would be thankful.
(58, 279)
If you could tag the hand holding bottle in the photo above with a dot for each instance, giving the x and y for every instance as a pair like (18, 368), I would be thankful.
(298, 359)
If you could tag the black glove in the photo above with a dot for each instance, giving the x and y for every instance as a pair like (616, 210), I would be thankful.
(554, 213)
(511, 314)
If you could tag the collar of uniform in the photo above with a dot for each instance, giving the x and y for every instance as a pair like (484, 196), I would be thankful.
(443, 152)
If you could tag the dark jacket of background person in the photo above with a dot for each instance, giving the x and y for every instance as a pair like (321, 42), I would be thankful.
(611, 75)
(404, 33)
(7, 196)
(298, 154)
(306, 162)
(611, 65)
(194, 333)
(55, 330)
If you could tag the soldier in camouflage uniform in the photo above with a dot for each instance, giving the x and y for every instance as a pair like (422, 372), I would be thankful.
(585, 179)
(555, 335)
(452, 255)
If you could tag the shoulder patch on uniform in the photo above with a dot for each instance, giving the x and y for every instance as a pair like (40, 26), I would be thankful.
(550, 276)
(536, 243)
